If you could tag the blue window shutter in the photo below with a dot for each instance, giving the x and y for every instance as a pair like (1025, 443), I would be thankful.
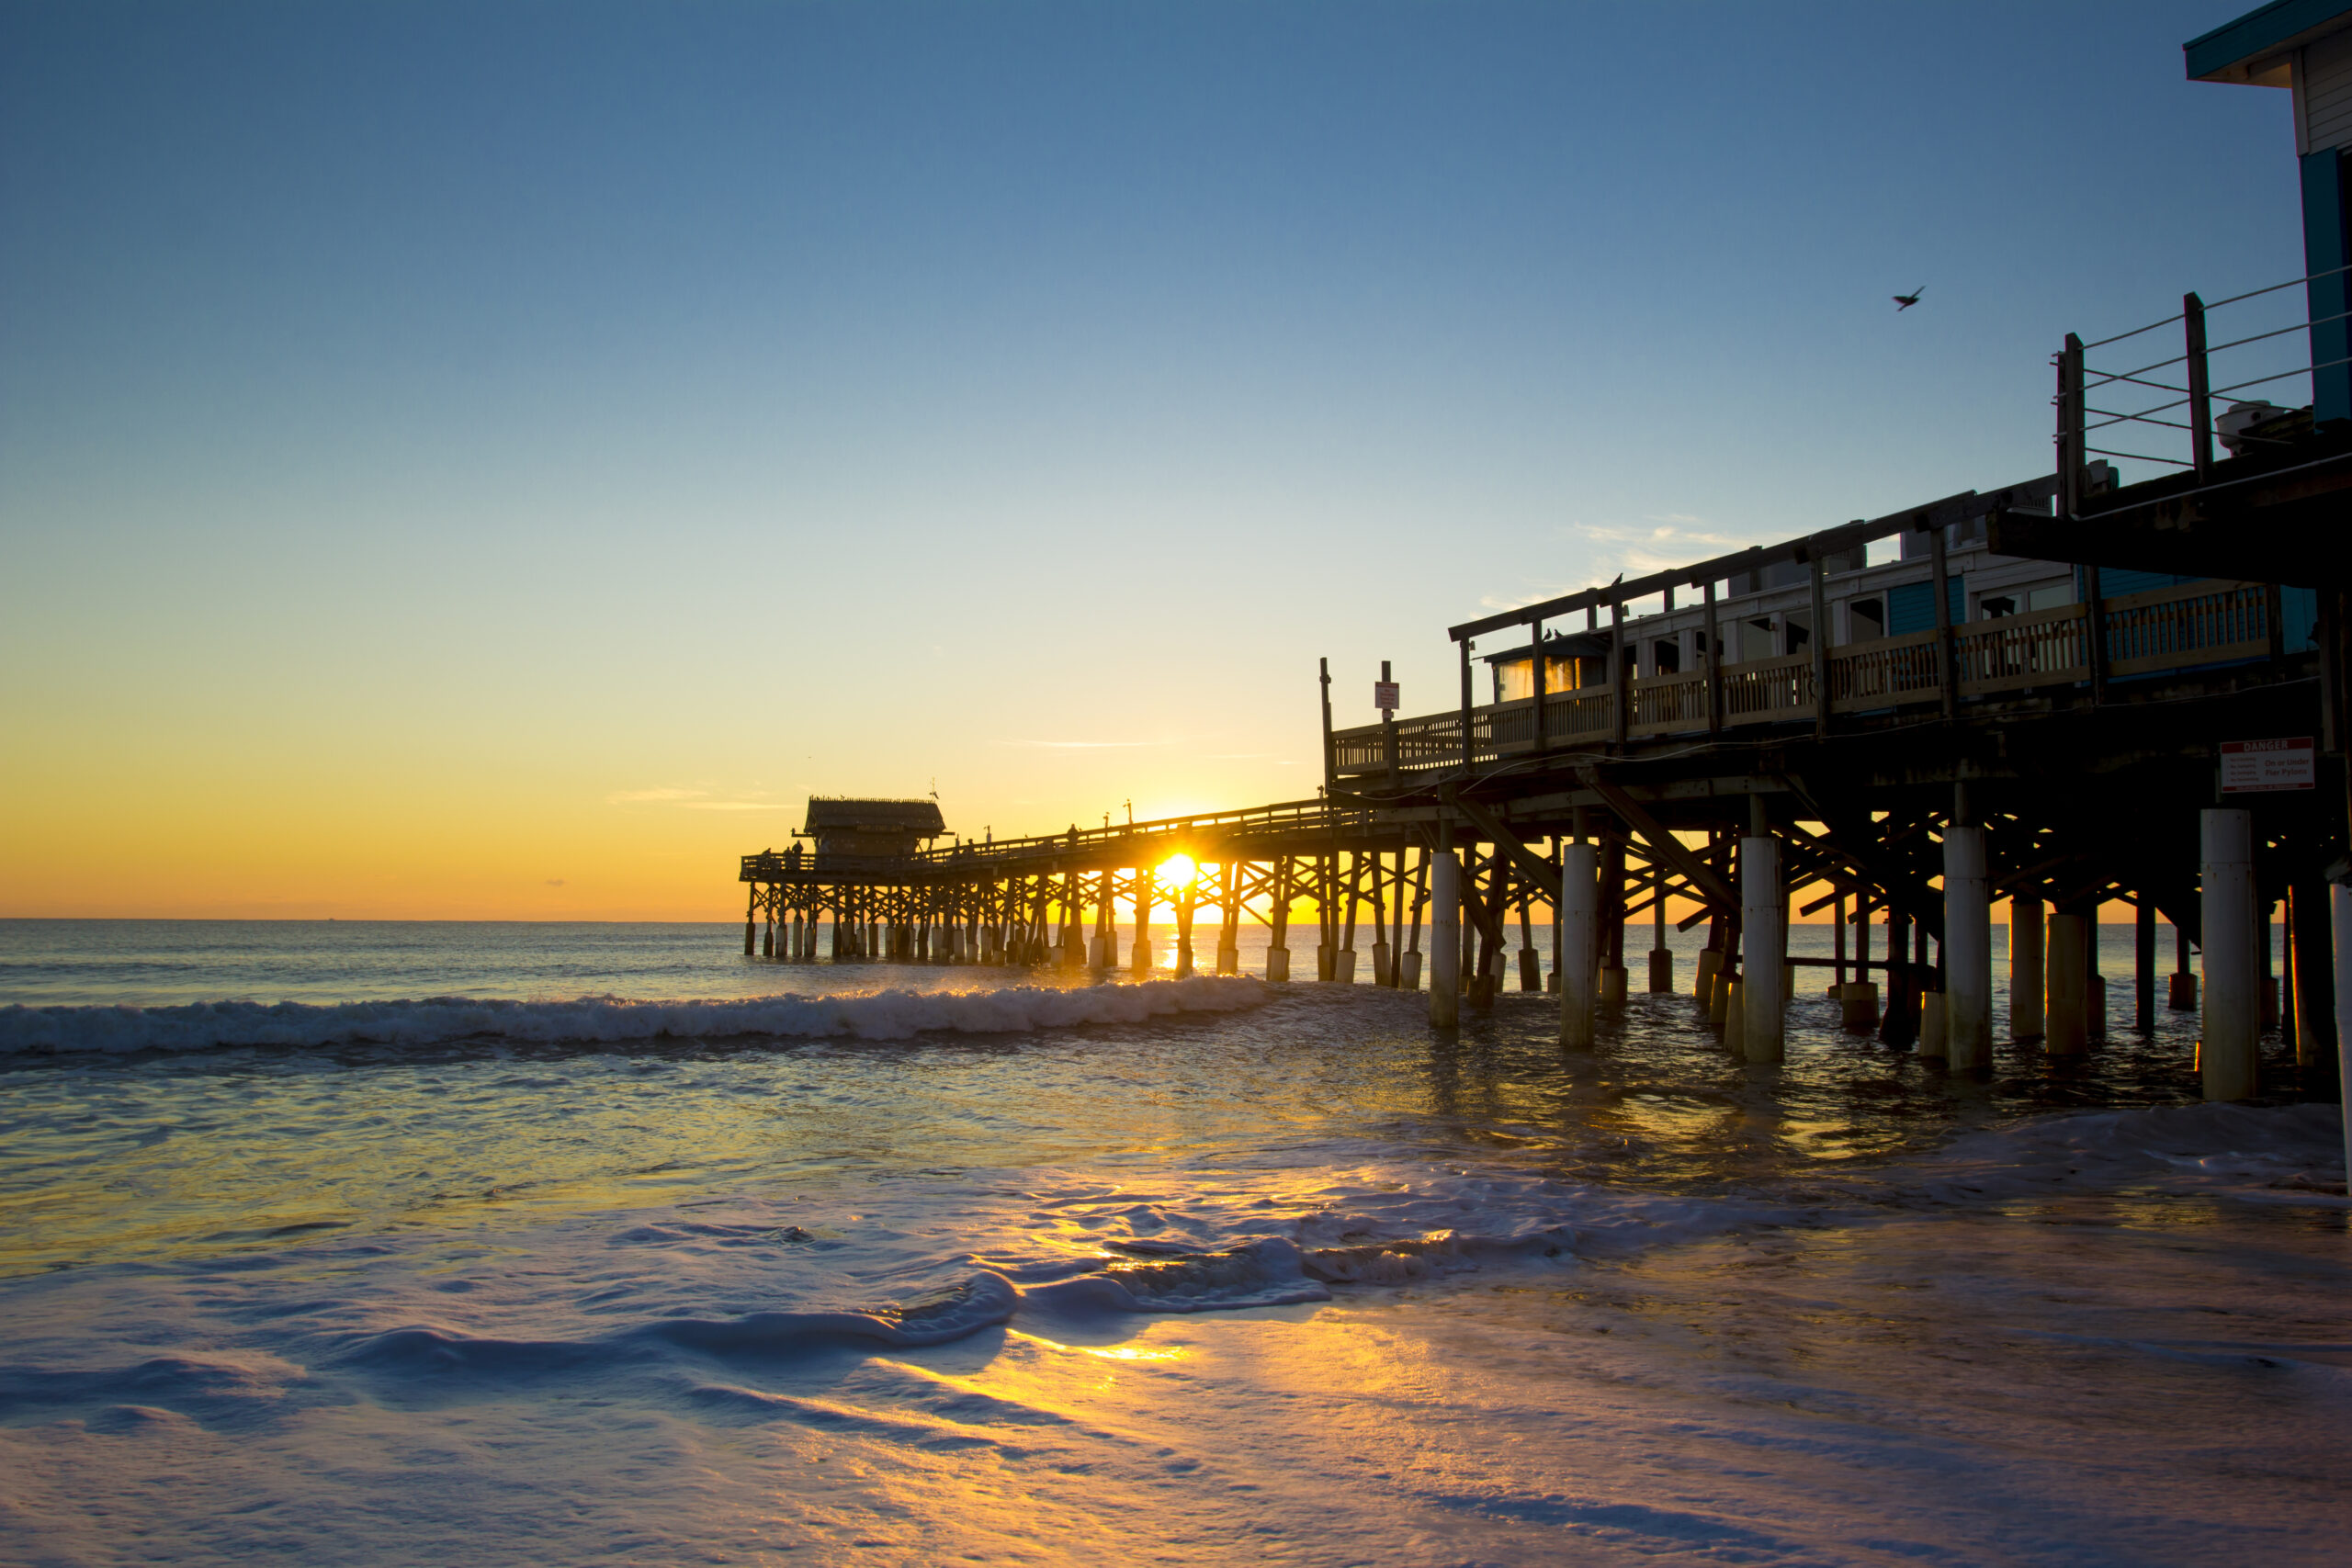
(1911, 607)
(2299, 618)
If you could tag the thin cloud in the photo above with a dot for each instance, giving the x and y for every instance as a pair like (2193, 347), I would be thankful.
(1662, 542)
(694, 800)
(1084, 745)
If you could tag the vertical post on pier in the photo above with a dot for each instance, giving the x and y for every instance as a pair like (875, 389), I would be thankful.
(1467, 752)
(1613, 914)
(1408, 963)
(2144, 960)
(1143, 886)
(1711, 653)
(2339, 911)
(2071, 455)
(1620, 684)
(1229, 939)
(2200, 395)
(1105, 955)
(1968, 941)
(1837, 936)
(1580, 923)
(1445, 939)
(1278, 920)
(1330, 753)
(750, 907)
(1535, 653)
(1389, 734)
(2066, 1029)
(2315, 995)
(2228, 1055)
(1661, 956)
(1343, 960)
(1530, 967)
(2028, 1015)
(1384, 943)
(1899, 1021)
(1762, 907)
(1946, 655)
(1186, 901)
(1858, 998)
(1324, 935)
(1821, 702)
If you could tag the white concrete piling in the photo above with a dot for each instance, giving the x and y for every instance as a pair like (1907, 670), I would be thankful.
(2340, 910)
(1967, 952)
(1445, 939)
(2229, 1055)
(1579, 915)
(2026, 1017)
(2067, 994)
(1762, 1034)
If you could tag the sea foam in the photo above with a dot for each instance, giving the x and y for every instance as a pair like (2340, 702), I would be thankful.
(880, 1015)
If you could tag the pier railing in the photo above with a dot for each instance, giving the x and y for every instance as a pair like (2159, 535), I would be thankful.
(2147, 399)
(1205, 836)
(2164, 629)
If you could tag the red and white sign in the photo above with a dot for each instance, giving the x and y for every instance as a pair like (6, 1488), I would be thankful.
(2249, 766)
(1383, 696)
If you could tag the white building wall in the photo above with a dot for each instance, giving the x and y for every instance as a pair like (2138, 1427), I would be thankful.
(2324, 93)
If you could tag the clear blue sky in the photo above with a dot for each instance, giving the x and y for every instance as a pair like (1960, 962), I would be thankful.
(604, 424)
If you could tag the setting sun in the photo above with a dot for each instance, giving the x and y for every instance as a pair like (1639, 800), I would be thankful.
(1178, 871)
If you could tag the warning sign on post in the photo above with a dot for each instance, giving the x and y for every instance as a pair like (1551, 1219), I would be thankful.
(2250, 766)
(1383, 695)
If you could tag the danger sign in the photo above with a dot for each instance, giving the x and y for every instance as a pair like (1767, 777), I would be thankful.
(2250, 766)
(1383, 695)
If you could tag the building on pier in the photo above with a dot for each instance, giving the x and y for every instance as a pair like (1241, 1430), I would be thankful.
(847, 830)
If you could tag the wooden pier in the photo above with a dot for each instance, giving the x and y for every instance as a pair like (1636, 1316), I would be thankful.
(2058, 694)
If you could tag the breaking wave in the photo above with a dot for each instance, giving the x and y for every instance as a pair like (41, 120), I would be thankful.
(881, 1015)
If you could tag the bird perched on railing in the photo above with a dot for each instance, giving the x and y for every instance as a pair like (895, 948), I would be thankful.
(1904, 302)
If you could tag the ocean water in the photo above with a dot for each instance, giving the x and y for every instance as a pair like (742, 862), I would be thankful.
(343, 1242)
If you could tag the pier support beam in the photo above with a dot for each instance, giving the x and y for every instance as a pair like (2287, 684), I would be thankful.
(2028, 1019)
(2067, 963)
(2229, 1054)
(1968, 944)
(1661, 956)
(1580, 941)
(1762, 963)
(2180, 990)
(2339, 909)
(1445, 939)
(2314, 993)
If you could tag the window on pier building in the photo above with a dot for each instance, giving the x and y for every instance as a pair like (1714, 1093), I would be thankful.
(1756, 638)
(1515, 678)
(1666, 657)
(2050, 596)
(1865, 620)
(1796, 634)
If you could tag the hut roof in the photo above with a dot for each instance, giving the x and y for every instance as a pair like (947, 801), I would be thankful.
(919, 818)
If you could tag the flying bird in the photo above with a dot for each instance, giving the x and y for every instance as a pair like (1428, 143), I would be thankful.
(1904, 302)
